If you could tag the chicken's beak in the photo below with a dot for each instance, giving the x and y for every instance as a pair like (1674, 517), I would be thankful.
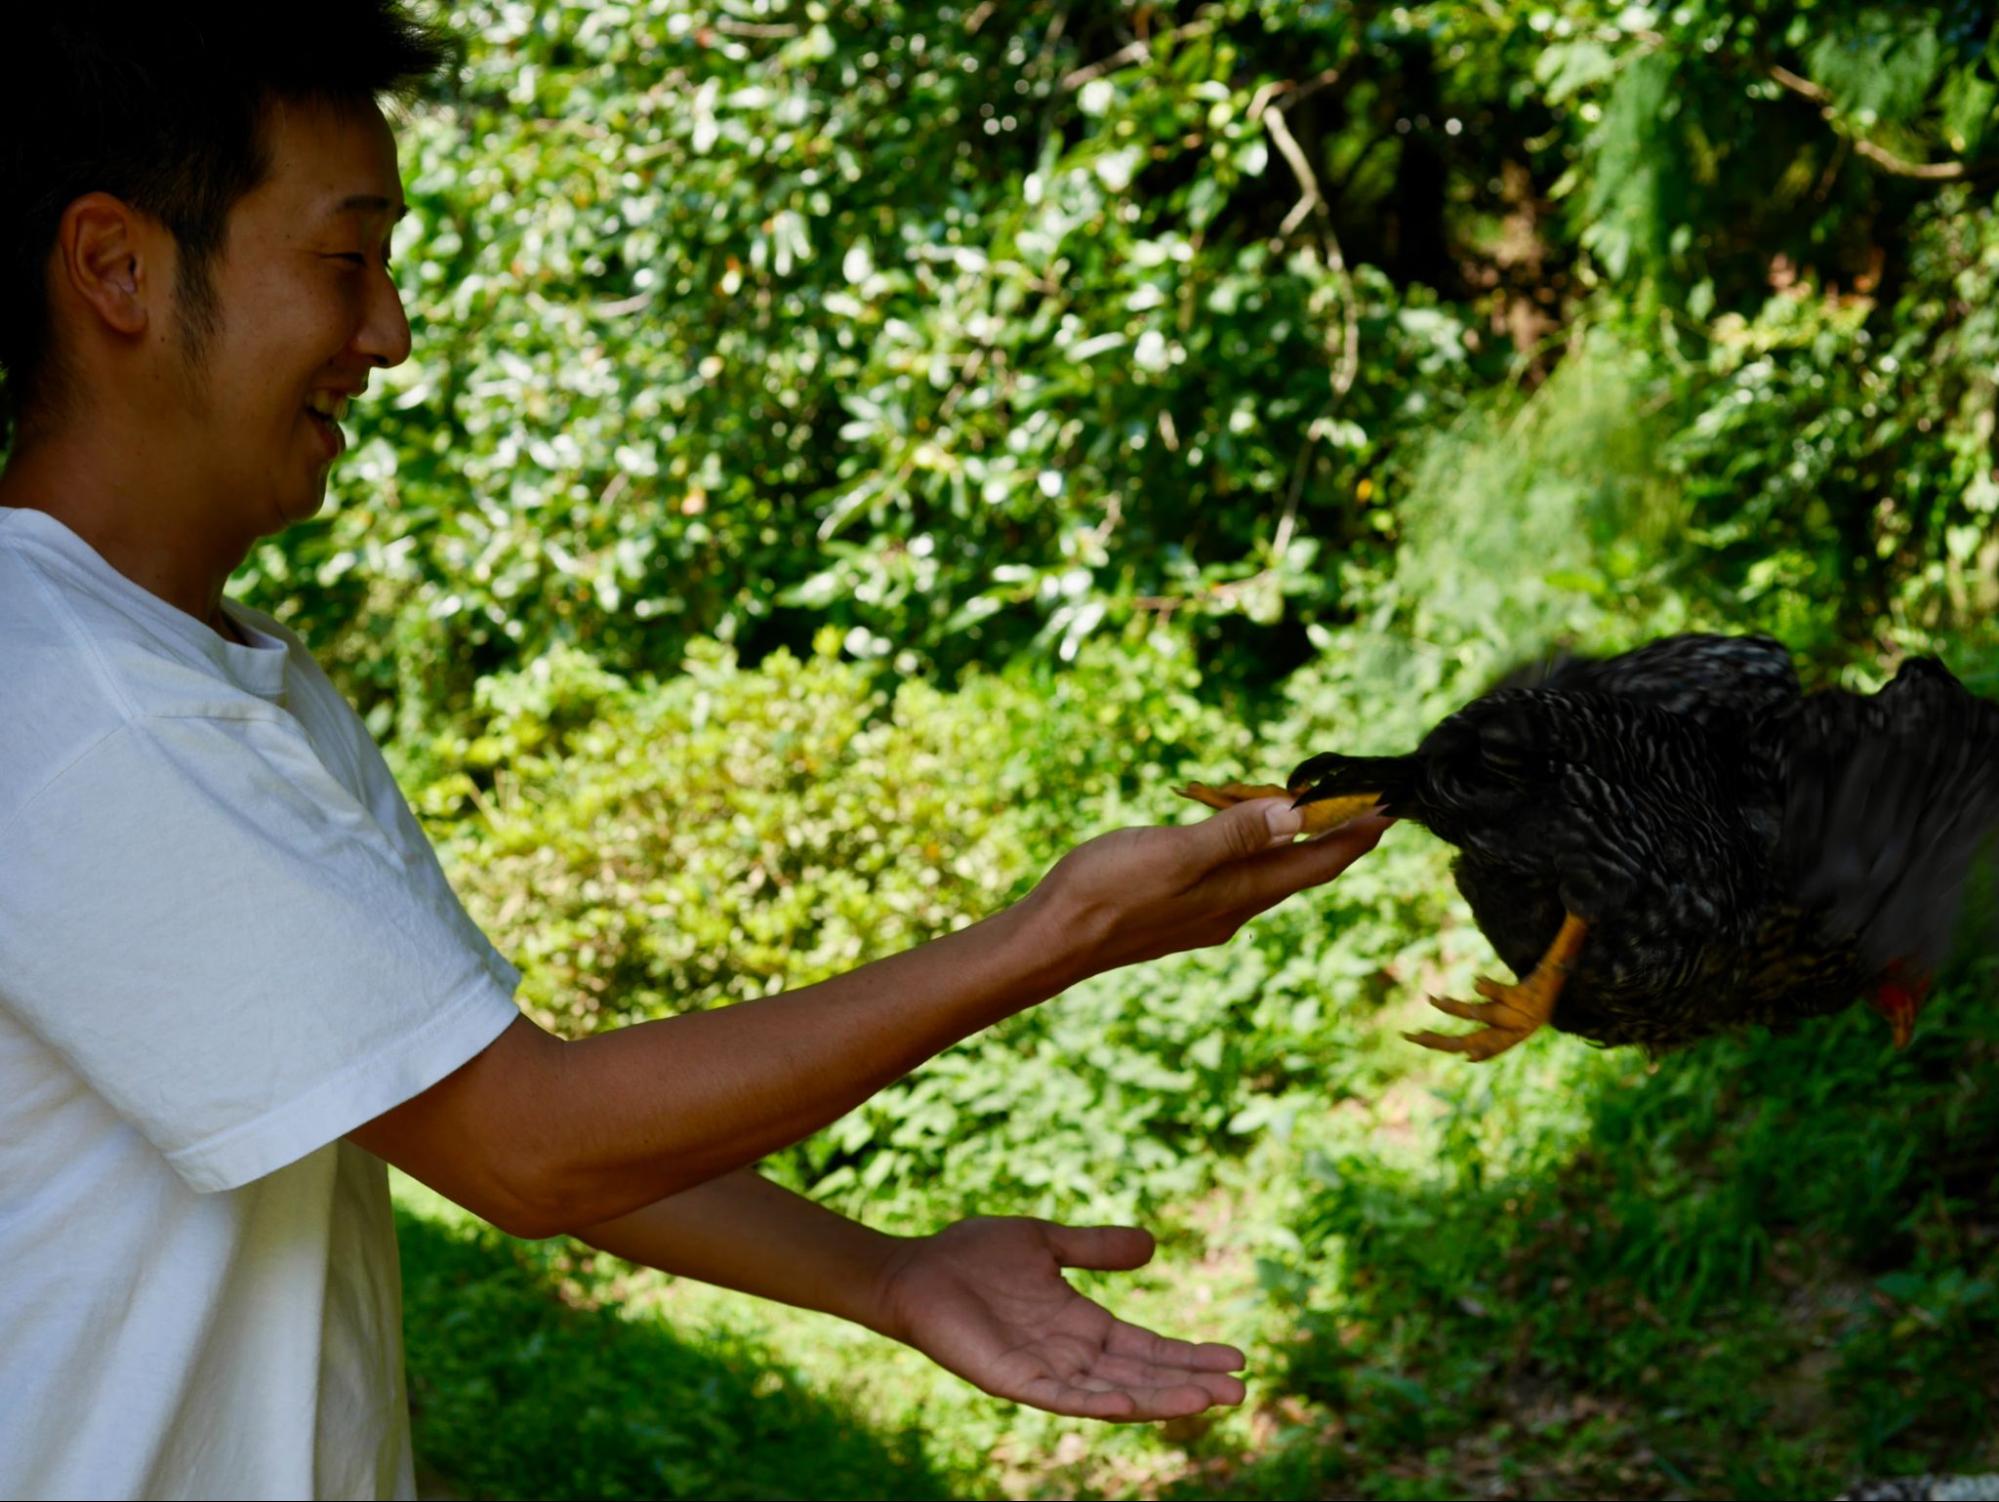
(1322, 814)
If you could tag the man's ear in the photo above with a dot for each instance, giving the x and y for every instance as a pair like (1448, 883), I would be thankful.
(111, 260)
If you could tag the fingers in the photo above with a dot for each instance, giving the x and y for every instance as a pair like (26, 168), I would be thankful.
(1355, 837)
(1102, 1367)
(1286, 865)
(1111, 1248)
(1308, 863)
(1135, 1342)
(1325, 856)
(1244, 829)
(1136, 1375)
(1080, 1402)
(1133, 1404)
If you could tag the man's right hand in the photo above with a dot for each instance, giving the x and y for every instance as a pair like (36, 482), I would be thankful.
(1136, 894)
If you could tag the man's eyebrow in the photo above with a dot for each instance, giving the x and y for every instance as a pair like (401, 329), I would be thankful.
(371, 203)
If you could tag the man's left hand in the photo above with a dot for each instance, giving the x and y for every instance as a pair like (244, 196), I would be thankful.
(986, 1299)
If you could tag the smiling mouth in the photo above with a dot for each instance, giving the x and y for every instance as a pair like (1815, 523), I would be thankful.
(325, 411)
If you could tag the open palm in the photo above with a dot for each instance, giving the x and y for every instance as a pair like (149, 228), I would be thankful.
(986, 1299)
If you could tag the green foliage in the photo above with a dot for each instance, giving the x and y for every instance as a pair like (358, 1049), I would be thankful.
(1763, 1237)
(1830, 458)
(760, 355)
(1139, 1088)
(976, 333)
(527, 1382)
(727, 836)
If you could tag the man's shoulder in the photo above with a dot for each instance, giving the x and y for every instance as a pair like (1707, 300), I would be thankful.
(77, 672)
(54, 702)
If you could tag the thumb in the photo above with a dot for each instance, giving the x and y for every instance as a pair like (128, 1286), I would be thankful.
(1113, 1248)
(1246, 828)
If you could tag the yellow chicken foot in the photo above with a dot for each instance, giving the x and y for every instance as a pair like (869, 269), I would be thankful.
(1510, 1013)
(1321, 815)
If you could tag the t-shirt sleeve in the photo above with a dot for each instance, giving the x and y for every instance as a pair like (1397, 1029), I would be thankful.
(226, 946)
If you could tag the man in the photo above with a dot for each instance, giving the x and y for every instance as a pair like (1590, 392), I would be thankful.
(233, 980)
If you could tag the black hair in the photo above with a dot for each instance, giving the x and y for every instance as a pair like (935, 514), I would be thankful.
(163, 105)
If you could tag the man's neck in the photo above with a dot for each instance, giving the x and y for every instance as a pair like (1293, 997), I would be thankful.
(155, 535)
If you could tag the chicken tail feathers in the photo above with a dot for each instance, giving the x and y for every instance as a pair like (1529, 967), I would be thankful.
(1890, 801)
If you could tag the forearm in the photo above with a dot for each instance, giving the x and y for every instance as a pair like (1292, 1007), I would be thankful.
(541, 1136)
(636, 1115)
(743, 1232)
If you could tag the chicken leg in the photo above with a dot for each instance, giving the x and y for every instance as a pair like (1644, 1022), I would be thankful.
(1510, 1013)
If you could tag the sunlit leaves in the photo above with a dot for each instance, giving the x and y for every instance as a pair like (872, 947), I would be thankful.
(977, 336)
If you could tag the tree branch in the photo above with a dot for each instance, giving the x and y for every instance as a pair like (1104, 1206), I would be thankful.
(1134, 52)
(1880, 156)
(1346, 356)
(734, 28)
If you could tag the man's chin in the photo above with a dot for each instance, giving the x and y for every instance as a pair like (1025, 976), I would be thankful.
(299, 506)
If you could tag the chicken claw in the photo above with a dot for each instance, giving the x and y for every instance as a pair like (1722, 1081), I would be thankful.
(1511, 1013)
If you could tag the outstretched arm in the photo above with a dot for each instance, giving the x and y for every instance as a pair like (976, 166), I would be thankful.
(984, 1298)
(539, 1136)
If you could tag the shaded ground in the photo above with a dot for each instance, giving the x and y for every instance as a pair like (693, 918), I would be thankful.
(521, 1386)
(1764, 1268)
(1768, 1267)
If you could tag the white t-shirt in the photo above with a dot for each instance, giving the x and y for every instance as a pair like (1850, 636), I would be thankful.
(224, 942)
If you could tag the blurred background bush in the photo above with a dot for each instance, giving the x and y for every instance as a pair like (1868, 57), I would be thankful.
(854, 451)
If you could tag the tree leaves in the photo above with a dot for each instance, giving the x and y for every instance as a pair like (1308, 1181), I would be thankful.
(982, 341)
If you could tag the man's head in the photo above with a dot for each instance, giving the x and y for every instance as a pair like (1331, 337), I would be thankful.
(194, 256)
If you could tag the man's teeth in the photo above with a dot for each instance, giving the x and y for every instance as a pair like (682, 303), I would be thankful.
(326, 404)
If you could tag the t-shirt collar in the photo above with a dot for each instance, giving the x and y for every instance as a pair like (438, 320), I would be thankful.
(258, 668)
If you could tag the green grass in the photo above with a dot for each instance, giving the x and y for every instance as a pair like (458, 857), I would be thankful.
(1761, 1267)
(530, 1378)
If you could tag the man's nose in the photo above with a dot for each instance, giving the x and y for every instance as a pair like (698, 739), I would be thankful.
(385, 333)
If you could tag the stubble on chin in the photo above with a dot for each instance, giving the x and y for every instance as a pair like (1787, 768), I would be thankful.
(194, 336)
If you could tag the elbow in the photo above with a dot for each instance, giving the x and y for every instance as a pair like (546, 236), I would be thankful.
(532, 1174)
(537, 1190)
(521, 1156)
(549, 1160)
(497, 1136)
(549, 1199)
(503, 1194)
(528, 1225)
(531, 1194)
(522, 1211)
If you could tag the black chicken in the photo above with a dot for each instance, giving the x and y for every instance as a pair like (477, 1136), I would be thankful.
(1679, 839)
